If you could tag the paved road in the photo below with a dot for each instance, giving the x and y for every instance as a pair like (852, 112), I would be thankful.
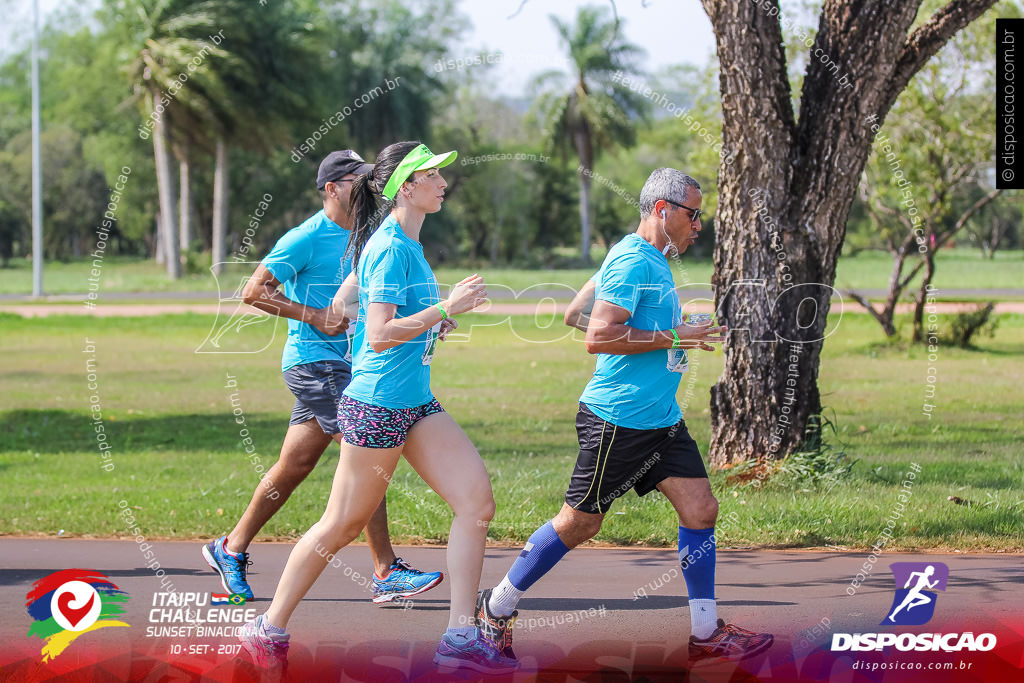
(580, 617)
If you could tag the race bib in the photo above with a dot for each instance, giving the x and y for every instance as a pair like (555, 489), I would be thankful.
(677, 361)
(350, 336)
(348, 350)
(428, 353)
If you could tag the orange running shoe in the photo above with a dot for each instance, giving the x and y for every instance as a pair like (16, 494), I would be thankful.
(730, 642)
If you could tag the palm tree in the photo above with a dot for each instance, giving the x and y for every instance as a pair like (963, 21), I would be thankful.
(168, 37)
(590, 110)
(269, 79)
(392, 40)
(250, 72)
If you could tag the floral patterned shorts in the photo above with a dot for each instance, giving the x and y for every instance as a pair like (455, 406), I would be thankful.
(370, 426)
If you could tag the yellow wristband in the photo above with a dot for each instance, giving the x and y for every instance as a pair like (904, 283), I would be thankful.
(444, 316)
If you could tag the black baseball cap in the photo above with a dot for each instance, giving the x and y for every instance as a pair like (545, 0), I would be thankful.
(339, 164)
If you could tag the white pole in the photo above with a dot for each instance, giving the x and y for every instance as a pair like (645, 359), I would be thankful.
(37, 170)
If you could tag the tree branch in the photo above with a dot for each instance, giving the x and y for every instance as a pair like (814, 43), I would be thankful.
(929, 38)
(966, 216)
(862, 300)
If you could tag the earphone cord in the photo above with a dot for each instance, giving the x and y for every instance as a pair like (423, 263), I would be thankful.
(669, 246)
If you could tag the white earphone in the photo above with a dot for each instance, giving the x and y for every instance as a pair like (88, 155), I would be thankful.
(669, 246)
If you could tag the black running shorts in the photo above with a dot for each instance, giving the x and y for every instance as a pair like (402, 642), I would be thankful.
(615, 459)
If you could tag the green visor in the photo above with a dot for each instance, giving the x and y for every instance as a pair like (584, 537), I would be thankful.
(416, 160)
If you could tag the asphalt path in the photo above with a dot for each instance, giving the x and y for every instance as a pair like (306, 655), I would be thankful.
(599, 608)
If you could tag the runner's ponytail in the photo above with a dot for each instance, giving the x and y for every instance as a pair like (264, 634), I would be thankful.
(368, 206)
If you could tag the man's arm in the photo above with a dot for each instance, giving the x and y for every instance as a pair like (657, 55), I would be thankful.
(261, 292)
(581, 306)
(608, 332)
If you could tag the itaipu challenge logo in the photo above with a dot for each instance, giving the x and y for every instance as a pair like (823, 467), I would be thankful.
(71, 603)
(914, 602)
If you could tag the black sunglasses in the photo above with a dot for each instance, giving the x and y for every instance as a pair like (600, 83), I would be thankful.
(695, 214)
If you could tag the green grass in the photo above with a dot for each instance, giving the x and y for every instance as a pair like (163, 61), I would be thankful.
(180, 463)
(956, 269)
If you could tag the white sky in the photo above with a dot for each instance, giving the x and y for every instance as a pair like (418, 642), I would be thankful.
(671, 31)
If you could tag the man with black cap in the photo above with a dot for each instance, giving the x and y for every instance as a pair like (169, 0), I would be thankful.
(311, 261)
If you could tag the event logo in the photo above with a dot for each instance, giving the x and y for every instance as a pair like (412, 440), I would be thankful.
(914, 603)
(70, 603)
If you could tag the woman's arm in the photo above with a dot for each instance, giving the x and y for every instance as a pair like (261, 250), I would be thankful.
(346, 301)
(384, 330)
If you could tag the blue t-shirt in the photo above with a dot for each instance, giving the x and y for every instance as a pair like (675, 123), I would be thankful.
(311, 261)
(638, 391)
(393, 270)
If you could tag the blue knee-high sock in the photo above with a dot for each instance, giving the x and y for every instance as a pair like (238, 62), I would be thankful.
(539, 555)
(697, 558)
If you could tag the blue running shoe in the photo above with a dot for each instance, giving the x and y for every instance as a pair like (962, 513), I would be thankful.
(268, 650)
(232, 568)
(403, 581)
(478, 654)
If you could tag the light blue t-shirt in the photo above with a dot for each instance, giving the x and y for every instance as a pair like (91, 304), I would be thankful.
(638, 391)
(393, 270)
(312, 261)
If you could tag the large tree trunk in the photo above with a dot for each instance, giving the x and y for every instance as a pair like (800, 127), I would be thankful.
(807, 173)
(165, 189)
(220, 206)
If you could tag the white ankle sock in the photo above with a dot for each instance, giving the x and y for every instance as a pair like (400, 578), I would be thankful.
(504, 598)
(703, 618)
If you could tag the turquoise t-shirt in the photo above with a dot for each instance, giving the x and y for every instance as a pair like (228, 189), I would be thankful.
(393, 270)
(638, 391)
(311, 261)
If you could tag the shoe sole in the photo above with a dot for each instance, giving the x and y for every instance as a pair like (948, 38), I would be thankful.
(408, 594)
(215, 567)
(450, 664)
(734, 658)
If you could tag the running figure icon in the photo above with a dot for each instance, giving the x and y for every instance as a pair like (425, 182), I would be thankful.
(915, 597)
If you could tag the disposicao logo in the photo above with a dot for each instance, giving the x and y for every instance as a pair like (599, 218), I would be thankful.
(913, 605)
(70, 603)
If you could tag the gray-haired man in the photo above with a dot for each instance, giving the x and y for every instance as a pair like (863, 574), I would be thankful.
(630, 429)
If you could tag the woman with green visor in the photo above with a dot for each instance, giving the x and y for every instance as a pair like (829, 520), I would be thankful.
(388, 410)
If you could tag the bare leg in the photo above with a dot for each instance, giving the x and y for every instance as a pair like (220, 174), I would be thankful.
(377, 535)
(575, 526)
(359, 484)
(303, 445)
(693, 500)
(443, 455)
